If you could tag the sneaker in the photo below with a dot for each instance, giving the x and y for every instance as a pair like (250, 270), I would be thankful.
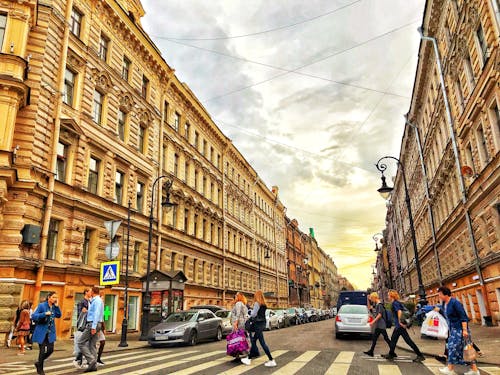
(369, 353)
(472, 372)
(246, 361)
(389, 356)
(99, 362)
(447, 371)
(9, 341)
(420, 358)
(271, 363)
(78, 363)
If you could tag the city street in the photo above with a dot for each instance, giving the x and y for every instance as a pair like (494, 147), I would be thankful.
(306, 349)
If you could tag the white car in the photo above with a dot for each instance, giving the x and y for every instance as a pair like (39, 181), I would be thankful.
(272, 320)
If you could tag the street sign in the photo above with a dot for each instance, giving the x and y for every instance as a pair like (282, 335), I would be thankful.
(111, 250)
(112, 227)
(110, 273)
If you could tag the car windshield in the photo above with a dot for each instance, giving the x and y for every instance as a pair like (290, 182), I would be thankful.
(183, 316)
(354, 309)
(279, 312)
(291, 311)
(222, 314)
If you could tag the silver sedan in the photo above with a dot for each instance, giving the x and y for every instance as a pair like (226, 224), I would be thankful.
(353, 319)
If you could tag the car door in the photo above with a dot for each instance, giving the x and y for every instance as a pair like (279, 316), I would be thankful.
(203, 325)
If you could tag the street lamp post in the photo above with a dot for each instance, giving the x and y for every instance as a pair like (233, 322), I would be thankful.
(385, 191)
(266, 256)
(377, 237)
(123, 339)
(146, 303)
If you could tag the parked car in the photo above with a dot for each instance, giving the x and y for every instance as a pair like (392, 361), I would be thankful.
(272, 320)
(311, 315)
(283, 318)
(225, 315)
(212, 308)
(293, 313)
(188, 326)
(353, 319)
(302, 315)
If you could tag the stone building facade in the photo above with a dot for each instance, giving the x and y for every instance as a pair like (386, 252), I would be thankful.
(464, 257)
(95, 120)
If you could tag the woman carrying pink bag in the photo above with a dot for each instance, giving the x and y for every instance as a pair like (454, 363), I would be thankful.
(237, 342)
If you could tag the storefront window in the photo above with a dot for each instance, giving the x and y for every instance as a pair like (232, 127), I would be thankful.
(133, 306)
(109, 312)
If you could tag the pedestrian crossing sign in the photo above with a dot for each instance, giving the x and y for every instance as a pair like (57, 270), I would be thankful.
(110, 273)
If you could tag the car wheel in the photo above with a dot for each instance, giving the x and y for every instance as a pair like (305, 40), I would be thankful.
(219, 334)
(193, 338)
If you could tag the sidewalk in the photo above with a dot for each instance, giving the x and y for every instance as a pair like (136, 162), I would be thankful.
(486, 338)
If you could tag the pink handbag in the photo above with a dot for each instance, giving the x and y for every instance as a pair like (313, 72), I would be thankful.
(237, 343)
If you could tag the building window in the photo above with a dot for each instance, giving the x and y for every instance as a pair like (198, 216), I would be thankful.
(204, 230)
(469, 74)
(469, 158)
(496, 9)
(98, 103)
(122, 120)
(205, 148)
(126, 68)
(52, 240)
(103, 48)
(174, 216)
(460, 95)
(195, 226)
(177, 119)
(211, 154)
(186, 131)
(186, 171)
(165, 112)
(93, 175)
(142, 139)
(483, 145)
(135, 262)
(186, 220)
(69, 86)
(3, 24)
(495, 126)
(62, 155)
(482, 44)
(218, 161)
(203, 187)
(140, 197)
(119, 179)
(176, 165)
(75, 24)
(196, 180)
(145, 86)
(86, 245)
(196, 140)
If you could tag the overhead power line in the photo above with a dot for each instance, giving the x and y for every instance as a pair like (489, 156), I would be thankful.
(268, 30)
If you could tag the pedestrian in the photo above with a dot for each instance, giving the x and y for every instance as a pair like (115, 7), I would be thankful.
(88, 340)
(102, 342)
(458, 332)
(258, 316)
(239, 315)
(23, 326)
(45, 329)
(81, 312)
(378, 323)
(400, 329)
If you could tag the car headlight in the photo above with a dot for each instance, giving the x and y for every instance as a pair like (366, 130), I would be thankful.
(180, 329)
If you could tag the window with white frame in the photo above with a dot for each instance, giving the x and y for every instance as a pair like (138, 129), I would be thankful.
(482, 145)
(142, 139)
(176, 165)
(93, 179)
(98, 106)
(126, 63)
(122, 120)
(62, 156)
(145, 87)
(69, 87)
(481, 43)
(119, 180)
(3, 25)
(177, 120)
(75, 23)
(135, 262)
(140, 197)
(53, 238)
(103, 47)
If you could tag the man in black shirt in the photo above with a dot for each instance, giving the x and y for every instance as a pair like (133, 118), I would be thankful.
(81, 308)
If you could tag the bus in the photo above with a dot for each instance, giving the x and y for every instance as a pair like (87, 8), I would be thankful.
(352, 297)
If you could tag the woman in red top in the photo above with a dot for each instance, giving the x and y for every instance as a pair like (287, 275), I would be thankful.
(23, 326)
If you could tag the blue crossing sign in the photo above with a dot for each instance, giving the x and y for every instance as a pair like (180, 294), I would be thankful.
(110, 273)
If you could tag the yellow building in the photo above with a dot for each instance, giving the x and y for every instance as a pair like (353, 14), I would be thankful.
(457, 223)
(91, 119)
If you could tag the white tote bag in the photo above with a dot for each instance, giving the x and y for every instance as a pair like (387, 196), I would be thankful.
(435, 325)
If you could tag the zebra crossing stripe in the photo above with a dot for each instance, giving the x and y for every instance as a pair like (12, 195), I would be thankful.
(389, 370)
(433, 365)
(341, 364)
(490, 370)
(123, 354)
(174, 363)
(257, 362)
(299, 362)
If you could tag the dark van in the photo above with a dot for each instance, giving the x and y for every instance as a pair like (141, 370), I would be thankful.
(352, 297)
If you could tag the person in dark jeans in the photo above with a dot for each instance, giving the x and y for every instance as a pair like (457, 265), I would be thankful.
(400, 329)
(378, 322)
(45, 329)
(259, 317)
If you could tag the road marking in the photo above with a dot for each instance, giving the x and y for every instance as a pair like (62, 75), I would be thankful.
(299, 362)
(491, 370)
(389, 370)
(256, 362)
(341, 364)
(126, 354)
(433, 365)
(171, 364)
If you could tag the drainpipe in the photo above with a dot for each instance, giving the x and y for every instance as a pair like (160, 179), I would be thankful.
(53, 157)
(427, 195)
(459, 169)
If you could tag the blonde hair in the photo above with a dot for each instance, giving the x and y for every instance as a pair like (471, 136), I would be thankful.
(259, 297)
(394, 295)
(374, 295)
(239, 297)
(25, 305)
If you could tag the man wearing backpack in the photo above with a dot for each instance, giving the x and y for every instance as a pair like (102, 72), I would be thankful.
(400, 329)
(379, 322)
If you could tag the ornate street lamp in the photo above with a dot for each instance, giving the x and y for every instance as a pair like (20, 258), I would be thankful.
(385, 192)
(146, 303)
(377, 237)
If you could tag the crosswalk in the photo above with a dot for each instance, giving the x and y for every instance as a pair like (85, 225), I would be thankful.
(188, 361)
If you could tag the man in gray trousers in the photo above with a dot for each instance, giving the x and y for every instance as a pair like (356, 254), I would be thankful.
(89, 337)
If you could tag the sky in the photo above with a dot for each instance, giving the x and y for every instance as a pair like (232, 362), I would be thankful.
(312, 93)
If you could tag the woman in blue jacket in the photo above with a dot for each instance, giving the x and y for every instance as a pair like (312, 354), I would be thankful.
(459, 331)
(45, 328)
